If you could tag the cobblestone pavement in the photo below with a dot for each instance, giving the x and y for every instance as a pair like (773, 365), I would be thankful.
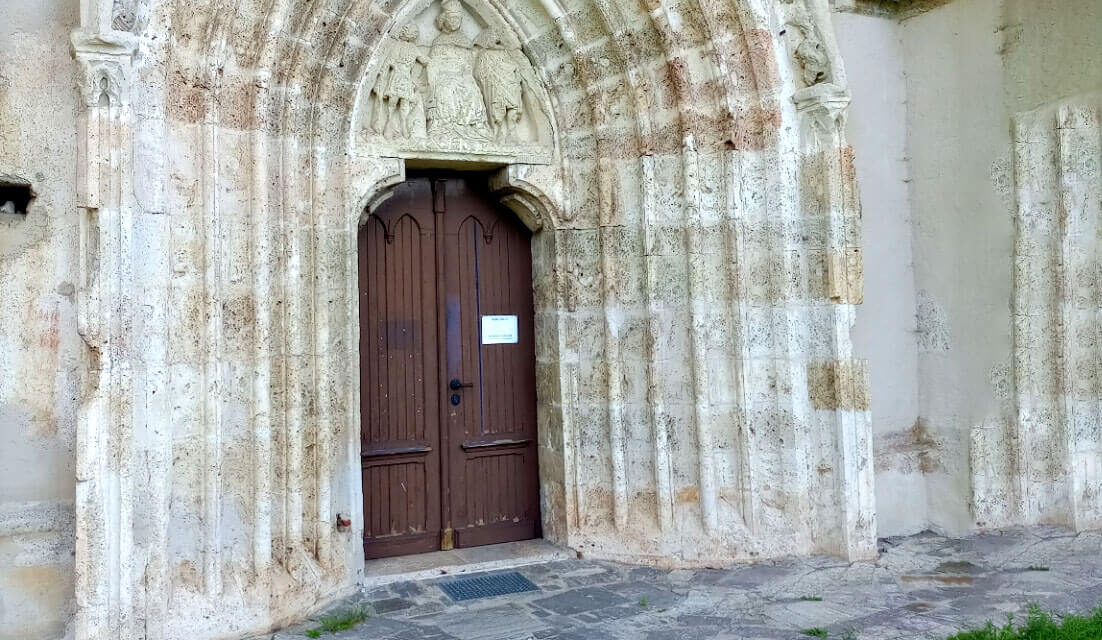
(923, 586)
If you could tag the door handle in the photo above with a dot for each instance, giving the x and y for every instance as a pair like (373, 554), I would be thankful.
(456, 385)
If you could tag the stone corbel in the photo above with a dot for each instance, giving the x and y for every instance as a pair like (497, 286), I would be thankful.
(517, 186)
(823, 106)
(379, 178)
(105, 60)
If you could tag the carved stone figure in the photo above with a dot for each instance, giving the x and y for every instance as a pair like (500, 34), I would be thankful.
(824, 98)
(455, 105)
(465, 89)
(503, 86)
(397, 92)
(812, 57)
(816, 52)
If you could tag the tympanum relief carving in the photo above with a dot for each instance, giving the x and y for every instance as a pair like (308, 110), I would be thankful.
(450, 85)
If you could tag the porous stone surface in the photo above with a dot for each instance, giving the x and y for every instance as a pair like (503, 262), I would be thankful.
(1054, 472)
(923, 587)
(40, 349)
(179, 395)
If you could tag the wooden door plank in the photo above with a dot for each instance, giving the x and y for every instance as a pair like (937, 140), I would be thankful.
(399, 365)
(495, 485)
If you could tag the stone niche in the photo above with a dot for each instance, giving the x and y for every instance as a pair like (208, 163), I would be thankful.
(449, 83)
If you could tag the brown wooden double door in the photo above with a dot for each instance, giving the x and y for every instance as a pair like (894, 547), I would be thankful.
(448, 390)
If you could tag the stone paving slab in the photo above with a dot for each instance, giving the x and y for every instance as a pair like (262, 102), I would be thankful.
(922, 587)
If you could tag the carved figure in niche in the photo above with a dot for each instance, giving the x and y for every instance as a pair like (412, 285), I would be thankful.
(455, 105)
(503, 86)
(397, 92)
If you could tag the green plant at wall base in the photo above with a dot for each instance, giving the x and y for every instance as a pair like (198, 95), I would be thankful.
(811, 598)
(1037, 568)
(1041, 626)
(340, 622)
(816, 632)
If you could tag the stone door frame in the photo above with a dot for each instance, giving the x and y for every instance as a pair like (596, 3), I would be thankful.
(518, 188)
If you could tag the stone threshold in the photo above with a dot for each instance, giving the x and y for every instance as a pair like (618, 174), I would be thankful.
(425, 566)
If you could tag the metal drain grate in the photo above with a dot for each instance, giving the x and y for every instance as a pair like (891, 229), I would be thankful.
(487, 586)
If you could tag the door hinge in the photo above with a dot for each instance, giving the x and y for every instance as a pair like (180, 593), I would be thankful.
(447, 539)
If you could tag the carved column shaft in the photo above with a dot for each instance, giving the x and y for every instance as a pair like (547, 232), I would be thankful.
(828, 162)
(103, 169)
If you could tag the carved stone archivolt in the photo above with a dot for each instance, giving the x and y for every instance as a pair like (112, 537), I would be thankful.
(452, 85)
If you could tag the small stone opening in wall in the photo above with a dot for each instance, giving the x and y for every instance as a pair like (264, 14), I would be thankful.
(15, 196)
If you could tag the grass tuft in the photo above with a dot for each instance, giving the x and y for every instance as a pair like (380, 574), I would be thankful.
(643, 602)
(811, 598)
(1040, 625)
(1034, 567)
(816, 632)
(339, 622)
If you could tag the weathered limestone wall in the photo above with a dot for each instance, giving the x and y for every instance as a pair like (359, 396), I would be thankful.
(884, 333)
(998, 119)
(1055, 467)
(185, 295)
(999, 122)
(39, 345)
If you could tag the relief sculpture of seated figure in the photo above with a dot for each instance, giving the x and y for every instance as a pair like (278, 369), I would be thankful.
(455, 104)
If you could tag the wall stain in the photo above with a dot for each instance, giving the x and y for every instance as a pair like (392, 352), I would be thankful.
(910, 451)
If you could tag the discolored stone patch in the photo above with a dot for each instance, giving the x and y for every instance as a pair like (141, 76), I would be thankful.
(838, 386)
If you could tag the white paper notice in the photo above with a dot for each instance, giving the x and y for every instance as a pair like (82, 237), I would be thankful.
(499, 329)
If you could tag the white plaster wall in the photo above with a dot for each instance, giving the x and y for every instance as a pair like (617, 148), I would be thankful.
(885, 330)
(958, 136)
(1053, 50)
(39, 347)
